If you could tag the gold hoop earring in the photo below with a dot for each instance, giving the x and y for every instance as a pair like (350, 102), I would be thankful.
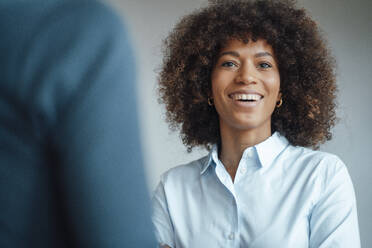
(210, 101)
(279, 103)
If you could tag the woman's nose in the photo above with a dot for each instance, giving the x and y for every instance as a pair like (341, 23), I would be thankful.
(247, 74)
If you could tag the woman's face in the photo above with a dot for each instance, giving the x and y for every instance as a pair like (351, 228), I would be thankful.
(245, 85)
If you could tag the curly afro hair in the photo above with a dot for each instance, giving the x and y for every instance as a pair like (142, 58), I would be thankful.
(306, 69)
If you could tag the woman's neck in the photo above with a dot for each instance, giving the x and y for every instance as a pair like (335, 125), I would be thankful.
(233, 144)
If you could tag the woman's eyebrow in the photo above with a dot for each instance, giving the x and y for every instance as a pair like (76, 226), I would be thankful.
(236, 54)
(263, 54)
(233, 53)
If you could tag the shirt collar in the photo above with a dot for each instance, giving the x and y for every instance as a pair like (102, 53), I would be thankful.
(209, 159)
(267, 151)
(270, 148)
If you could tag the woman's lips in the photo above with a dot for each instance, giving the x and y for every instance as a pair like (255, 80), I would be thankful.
(244, 99)
(245, 96)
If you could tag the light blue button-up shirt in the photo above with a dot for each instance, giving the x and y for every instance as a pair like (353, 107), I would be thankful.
(282, 196)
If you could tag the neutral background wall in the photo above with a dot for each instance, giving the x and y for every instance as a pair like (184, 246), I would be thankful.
(348, 27)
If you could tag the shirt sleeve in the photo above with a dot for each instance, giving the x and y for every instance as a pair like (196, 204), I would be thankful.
(162, 221)
(83, 69)
(334, 221)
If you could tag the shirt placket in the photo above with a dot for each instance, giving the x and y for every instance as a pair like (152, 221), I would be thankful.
(248, 165)
(232, 232)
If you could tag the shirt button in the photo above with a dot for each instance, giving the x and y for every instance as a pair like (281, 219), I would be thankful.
(231, 236)
(243, 170)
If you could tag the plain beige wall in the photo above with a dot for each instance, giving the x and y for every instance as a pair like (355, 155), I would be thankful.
(348, 27)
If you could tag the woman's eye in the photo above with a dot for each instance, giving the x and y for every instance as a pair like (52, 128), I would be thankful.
(228, 64)
(264, 65)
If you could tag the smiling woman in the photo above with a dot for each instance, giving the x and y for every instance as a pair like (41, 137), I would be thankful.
(245, 89)
(253, 82)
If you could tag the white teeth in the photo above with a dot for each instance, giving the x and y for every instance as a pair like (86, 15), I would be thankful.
(248, 97)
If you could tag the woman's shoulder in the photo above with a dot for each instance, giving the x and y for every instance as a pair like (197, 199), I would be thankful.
(325, 162)
(318, 170)
(185, 172)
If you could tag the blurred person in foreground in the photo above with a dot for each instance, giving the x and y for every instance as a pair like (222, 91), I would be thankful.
(71, 171)
(253, 82)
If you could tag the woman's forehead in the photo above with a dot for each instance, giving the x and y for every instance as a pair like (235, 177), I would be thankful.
(253, 46)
